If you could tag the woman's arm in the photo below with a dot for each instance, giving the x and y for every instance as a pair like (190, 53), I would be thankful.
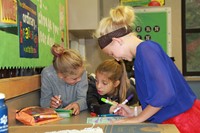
(143, 116)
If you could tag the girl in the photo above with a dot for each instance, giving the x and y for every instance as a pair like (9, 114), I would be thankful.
(64, 84)
(113, 84)
(164, 94)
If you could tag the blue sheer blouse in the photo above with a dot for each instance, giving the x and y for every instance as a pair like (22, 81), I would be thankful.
(159, 83)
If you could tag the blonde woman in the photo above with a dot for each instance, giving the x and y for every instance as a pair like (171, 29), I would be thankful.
(164, 94)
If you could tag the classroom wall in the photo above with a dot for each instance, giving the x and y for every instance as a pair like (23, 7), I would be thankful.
(94, 56)
(176, 30)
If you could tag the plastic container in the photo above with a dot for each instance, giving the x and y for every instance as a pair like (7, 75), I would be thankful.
(3, 115)
(64, 113)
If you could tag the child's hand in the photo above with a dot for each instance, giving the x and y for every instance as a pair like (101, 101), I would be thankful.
(55, 102)
(74, 107)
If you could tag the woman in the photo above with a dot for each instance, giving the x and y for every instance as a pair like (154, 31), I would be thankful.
(164, 94)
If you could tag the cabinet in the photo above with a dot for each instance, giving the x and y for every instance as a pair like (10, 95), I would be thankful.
(83, 14)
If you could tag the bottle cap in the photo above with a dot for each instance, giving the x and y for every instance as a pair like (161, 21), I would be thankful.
(2, 95)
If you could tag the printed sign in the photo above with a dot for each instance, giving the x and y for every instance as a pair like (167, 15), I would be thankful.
(28, 29)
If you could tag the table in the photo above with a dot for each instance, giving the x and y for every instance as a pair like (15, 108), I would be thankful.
(80, 122)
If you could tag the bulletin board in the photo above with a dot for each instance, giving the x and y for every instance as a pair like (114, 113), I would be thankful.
(52, 28)
(155, 24)
(137, 3)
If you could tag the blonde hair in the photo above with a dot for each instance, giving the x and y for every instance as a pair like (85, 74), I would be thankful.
(121, 16)
(116, 70)
(66, 61)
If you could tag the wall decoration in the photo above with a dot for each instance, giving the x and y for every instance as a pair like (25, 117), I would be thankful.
(138, 3)
(150, 27)
(8, 14)
(28, 29)
(51, 23)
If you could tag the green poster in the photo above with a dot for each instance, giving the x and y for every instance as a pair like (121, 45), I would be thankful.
(51, 17)
(155, 24)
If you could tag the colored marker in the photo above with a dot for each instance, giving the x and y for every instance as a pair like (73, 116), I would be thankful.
(108, 115)
(48, 116)
(124, 102)
(106, 101)
(45, 116)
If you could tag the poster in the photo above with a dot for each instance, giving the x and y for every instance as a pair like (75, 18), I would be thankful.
(28, 29)
(52, 28)
(138, 3)
(150, 27)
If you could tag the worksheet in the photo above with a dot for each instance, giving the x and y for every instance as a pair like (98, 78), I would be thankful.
(102, 119)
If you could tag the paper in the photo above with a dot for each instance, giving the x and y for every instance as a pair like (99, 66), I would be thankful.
(102, 119)
(86, 130)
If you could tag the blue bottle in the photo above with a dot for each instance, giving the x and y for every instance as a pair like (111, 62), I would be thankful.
(3, 115)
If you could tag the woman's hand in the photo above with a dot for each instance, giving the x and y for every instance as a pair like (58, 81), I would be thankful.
(125, 110)
(74, 107)
(141, 117)
(55, 102)
(113, 107)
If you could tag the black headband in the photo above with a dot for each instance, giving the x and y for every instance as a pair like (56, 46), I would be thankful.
(107, 38)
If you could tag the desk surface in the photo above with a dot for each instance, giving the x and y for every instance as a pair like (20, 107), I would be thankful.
(80, 122)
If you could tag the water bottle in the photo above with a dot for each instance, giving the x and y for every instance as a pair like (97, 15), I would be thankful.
(3, 115)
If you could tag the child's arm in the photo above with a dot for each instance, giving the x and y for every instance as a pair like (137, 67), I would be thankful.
(46, 89)
(81, 90)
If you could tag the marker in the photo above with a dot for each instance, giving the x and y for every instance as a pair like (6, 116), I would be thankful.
(124, 102)
(48, 116)
(106, 101)
(44, 116)
(59, 96)
(108, 115)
